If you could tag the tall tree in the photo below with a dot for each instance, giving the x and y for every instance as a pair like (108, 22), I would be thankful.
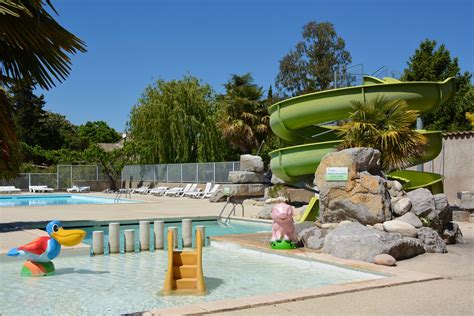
(98, 132)
(243, 116)
(9, 145)
(28, 111)
(312, 64)
(432, 63)
(174, 121)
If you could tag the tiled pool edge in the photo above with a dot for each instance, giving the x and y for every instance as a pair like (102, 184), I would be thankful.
(396, 277)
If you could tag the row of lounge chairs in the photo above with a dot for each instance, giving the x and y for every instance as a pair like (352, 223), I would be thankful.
(9, 189)
(190, 190)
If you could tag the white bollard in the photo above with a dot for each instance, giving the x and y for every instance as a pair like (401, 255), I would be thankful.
(187, 233)
(159, 230)
(203, 233)
(175, 236)
(144, 235)
(114, 238)
(98, 242)
(129, 240)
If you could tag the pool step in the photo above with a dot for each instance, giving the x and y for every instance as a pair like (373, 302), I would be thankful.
(186, 284)
(184, 271)
(184, 258)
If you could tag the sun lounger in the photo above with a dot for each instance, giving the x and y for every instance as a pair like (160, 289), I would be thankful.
(176, 190)
(198, 192)
(141, 190)
(192, 188)
(79, 189)
(9, 189)
(213, 190)
(40, 188)
(158, 190)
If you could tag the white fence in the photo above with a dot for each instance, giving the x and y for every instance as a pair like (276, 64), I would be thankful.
(217, 172)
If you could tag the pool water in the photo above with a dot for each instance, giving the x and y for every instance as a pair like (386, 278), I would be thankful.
(127, 283)
(56, 199)
(213, 228)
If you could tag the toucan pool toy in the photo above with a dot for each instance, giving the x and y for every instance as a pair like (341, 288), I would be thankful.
(42, 250)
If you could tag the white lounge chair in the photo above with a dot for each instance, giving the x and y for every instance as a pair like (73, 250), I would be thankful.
(158, 190)
(176, 190)
(78, 189)
(9, 189)
(210, 193)
(141, 190)
(192, 188)
(198, 192)
(40, 188)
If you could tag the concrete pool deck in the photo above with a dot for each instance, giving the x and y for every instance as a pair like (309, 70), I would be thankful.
(433, 284)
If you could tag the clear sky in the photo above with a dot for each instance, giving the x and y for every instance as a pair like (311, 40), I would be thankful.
(132, 43)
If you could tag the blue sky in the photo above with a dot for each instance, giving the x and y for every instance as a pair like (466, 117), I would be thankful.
(132, 43)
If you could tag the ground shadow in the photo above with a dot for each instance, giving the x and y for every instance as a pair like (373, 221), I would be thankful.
(213, 283)
(78, 271)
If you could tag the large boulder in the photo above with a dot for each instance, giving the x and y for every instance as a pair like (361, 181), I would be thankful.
(247, 189)
(401, 206)
(251, 163)
(313, 237)
(363, 197)
(422, 203)
(431, 240)
(402, 228)
(356, 241)
(247, 177)
(411, 219)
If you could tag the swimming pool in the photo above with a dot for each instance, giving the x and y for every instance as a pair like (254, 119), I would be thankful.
(127, 283)
(56, 199)
(213, 228)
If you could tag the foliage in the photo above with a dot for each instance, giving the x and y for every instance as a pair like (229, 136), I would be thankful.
(34, 46)
(174, 121)
(386, 126)
(278, 190)
(431, 63)
(9, 147)
(45, 157)
(311, 65)
(112, 162)
(98, 132)
(243, 117)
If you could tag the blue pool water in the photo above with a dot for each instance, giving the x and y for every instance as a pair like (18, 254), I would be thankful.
(55, 199)
(213, 228)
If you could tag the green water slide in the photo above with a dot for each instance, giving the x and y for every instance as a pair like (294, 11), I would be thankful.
(302, 121)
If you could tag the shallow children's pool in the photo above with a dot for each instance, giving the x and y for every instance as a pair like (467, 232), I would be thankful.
(126, 283)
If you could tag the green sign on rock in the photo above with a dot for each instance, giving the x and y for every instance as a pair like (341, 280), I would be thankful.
(337, 174)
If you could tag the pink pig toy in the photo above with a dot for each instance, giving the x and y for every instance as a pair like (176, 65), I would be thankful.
(283, 227)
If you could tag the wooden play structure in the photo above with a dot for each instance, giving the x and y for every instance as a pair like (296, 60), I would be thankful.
(184, 275)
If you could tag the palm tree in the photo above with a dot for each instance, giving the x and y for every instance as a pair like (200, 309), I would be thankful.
(33, 45)
(243, 117)
(386, 126)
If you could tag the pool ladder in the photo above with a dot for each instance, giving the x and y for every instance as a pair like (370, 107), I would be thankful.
(234, 201)
(120, 192)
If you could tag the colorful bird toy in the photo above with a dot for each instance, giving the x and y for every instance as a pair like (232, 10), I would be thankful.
(42, 250)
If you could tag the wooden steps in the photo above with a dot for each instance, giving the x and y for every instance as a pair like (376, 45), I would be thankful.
(184, 275)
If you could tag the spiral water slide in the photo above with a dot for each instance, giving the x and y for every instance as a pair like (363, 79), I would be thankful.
(303, 122)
